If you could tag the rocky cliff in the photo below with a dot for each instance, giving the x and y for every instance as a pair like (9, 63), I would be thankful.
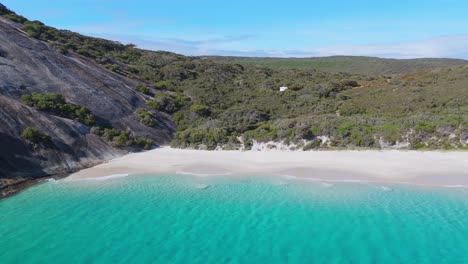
(28, 65)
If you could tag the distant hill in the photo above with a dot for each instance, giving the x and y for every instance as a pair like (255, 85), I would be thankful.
(349, 64)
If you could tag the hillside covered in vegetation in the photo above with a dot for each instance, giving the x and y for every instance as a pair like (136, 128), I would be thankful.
(104, 93)
(350, 64)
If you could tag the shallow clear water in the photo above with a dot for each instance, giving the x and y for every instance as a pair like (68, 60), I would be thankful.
(184, 219)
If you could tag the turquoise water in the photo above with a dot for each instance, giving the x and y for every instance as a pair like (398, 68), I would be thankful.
(184, 219)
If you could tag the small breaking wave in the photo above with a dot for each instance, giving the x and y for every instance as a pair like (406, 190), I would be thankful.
(385, 188)
(202, 186)
(113, 176)
(455, 186)
(325, 181)
(326, 185)
(202, 174)
(52, 180)
(104, 178)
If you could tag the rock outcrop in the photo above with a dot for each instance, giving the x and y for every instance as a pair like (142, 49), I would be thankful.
(28, 65)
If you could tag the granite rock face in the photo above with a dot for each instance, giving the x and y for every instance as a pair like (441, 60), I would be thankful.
(28, 65)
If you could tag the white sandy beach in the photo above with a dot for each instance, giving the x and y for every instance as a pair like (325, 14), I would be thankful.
(448, 169)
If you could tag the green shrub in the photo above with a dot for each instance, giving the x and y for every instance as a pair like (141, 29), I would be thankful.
(96, 131)
(201, 110)
(36, 29)
(314, 144)
(164, 85)
(121, 138)
(418, 145)
(424, 127)
(56, 104)
(167, 102)
(145, 118)
(345, 129)
(34, 136)
(264, 132)
(153, 104)
(145, 143)
(211, 138)
(450, 121)
(389, 132)
(142, 89)
(110, 133)
(312, 132)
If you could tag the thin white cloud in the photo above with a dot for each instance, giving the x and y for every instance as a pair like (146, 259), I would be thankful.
(182, 46)
(449, 46)
(103, 28)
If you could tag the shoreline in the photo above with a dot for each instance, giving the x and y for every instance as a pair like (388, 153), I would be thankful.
(434, 168)
(20, 184)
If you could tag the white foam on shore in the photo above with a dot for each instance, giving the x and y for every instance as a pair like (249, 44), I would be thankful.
(202, 174)
(455, 186)
(323, 181)
(105, 178)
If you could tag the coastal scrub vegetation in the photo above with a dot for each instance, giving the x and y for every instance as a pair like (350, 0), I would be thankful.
(56, 105)
(356, 65)
(337, 102)
(165, 102)
(122, 138)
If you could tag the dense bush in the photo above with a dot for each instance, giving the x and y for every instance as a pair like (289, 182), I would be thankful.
(210, 138)
(145, 118)
(121, 138)
(168, 103)
(56, 104)
(34, 136)
(264, 132)
(145, 143)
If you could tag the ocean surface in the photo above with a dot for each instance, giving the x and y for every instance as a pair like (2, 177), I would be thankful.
(188, 219)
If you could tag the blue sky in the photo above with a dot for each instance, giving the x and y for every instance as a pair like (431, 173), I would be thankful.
(298, 28)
